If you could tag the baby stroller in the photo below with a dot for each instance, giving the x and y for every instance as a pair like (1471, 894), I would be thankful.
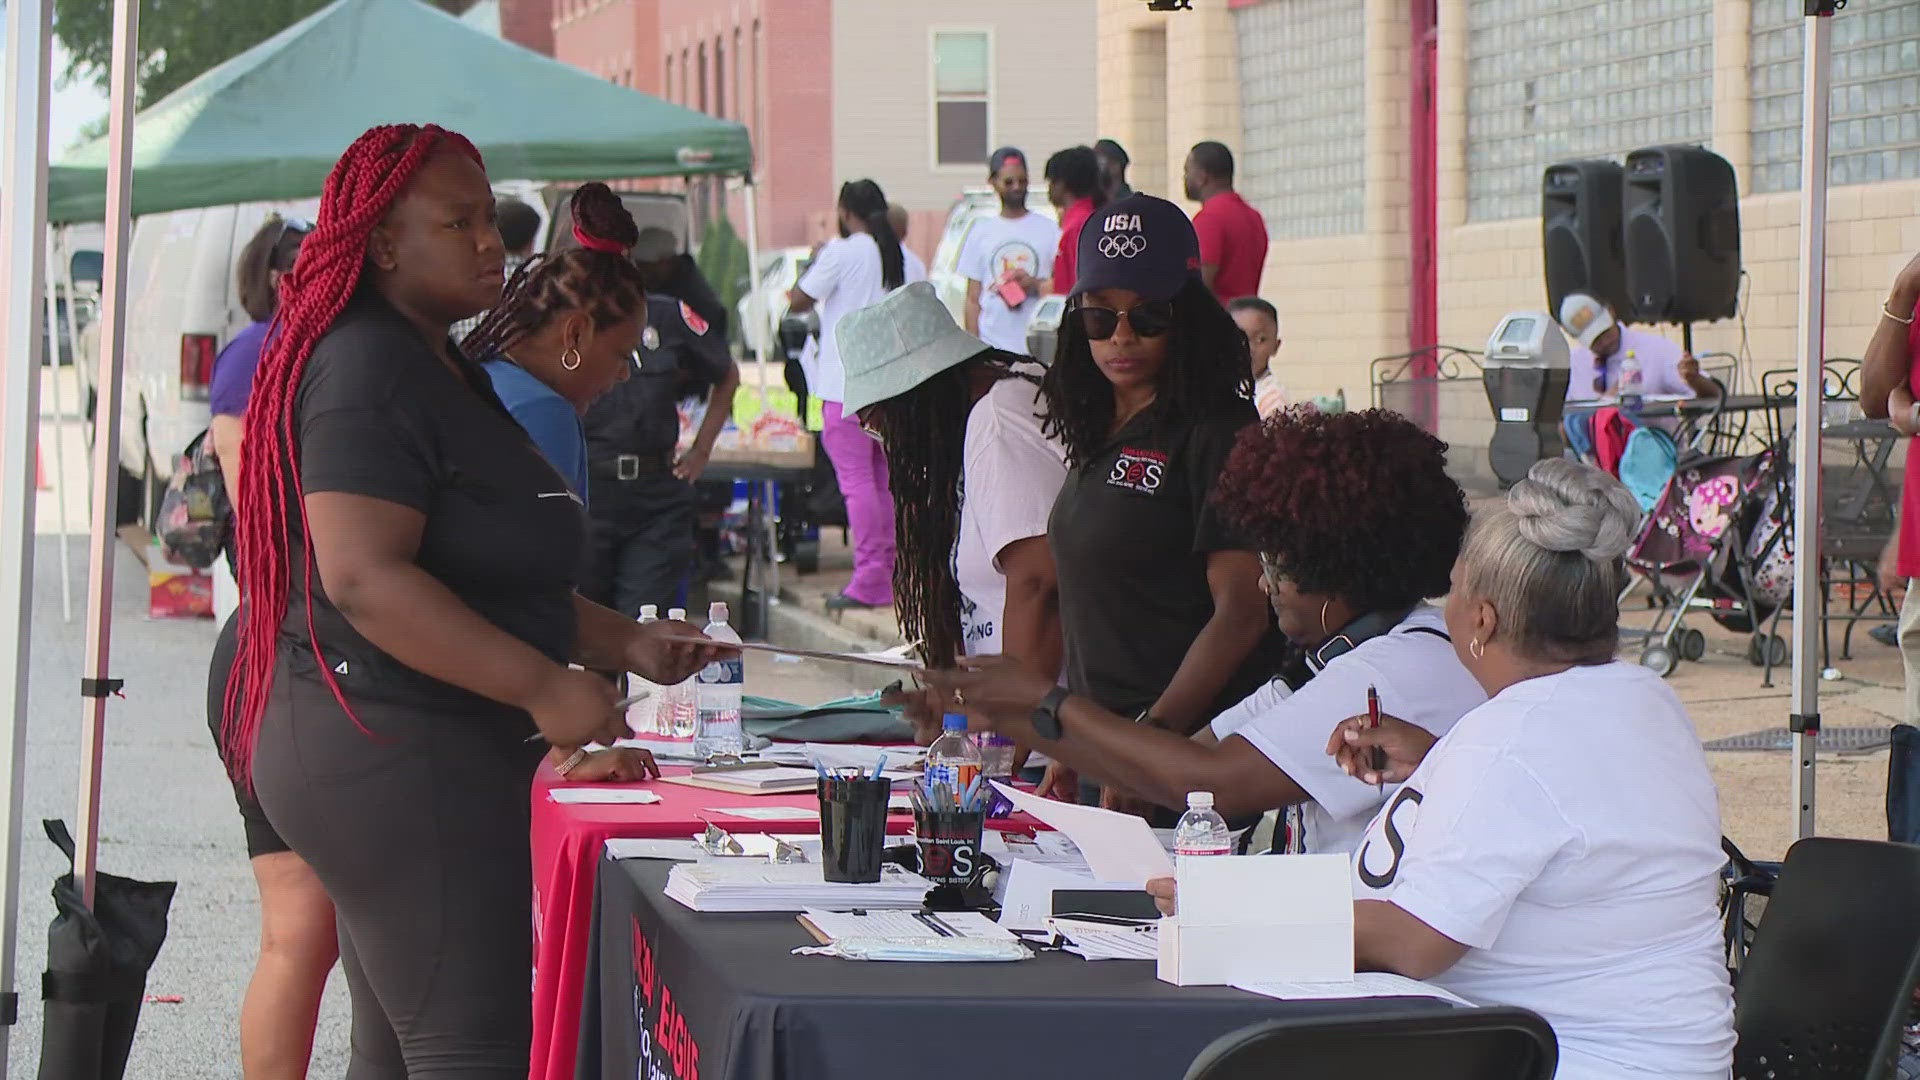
(1698, 549)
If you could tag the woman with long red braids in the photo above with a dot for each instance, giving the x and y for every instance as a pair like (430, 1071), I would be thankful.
(408, 562)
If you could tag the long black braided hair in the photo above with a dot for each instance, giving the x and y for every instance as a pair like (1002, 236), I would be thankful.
(1208, 373)
(924, 432)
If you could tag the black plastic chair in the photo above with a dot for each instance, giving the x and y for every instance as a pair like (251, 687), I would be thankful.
(1456, 1044)
(1826, 987)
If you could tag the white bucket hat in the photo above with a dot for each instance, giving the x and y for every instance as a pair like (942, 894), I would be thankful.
(899, 343)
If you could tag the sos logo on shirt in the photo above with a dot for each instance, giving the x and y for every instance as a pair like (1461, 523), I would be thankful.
(1141, 471)
(1377, 862)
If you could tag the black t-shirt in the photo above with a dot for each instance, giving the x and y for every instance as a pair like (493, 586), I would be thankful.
(377, 414)
(640, 416)
(1131, 531)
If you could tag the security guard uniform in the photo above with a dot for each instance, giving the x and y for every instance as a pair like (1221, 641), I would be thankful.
(643, 515)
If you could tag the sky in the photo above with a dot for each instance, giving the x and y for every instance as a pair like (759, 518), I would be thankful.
(74, 106)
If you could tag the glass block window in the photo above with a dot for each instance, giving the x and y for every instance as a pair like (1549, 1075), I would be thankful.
(1302, 154)
(1552, 80)
(1873, 128)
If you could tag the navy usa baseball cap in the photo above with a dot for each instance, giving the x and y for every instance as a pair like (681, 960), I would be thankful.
(1139, 243)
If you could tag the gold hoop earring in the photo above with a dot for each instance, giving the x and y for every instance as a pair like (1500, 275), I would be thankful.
(1478, 650)
(1324, 605)
(575, 355)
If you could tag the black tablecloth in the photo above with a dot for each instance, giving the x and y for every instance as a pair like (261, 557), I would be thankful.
(720, 997)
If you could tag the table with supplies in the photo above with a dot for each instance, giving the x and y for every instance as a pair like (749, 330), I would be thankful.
(676, 994)
(567, 840)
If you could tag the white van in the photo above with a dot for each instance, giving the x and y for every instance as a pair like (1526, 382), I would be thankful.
(183, 307)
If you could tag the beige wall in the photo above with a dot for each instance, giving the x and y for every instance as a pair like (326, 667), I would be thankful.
(1344, 299)
(1041, 100)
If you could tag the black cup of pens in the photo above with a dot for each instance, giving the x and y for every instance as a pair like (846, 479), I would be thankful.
(853, 827)
(949, 844)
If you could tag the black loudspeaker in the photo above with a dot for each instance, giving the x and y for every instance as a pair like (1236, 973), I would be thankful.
(1580, 233)
(1682, 220)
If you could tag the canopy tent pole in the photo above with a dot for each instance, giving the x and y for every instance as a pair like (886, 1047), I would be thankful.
(65, 269)
(95, 687)
(23, 205)
(753, 283)
(1804, 721)
(60, 425)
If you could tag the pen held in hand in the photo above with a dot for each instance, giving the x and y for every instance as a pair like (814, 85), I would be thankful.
(1376, 756)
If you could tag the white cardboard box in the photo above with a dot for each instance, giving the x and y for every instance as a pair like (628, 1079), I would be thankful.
(1258, 919)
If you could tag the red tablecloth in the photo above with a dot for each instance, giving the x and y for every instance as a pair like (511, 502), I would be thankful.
(567, 841)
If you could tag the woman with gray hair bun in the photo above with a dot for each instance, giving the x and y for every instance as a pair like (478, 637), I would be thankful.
(1559, 848)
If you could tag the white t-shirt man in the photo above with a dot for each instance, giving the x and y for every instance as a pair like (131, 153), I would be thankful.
(1658, 357)
(843, 278)
(996, 246)
(1012, 474)
(1420, 680)
(1568, 833)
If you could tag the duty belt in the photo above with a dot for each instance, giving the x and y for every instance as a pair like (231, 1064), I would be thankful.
(631, 466)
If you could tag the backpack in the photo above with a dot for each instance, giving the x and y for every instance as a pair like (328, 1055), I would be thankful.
(1647, 464)
(196, 517)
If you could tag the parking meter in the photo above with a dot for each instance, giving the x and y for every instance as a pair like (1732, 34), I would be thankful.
(1526, 380)
(1043, 330)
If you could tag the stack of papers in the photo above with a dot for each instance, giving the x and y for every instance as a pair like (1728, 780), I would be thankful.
(751, 779)
(903, 925)
(746, 885)
(1109, 941)
(625, 796)
(1364, 984)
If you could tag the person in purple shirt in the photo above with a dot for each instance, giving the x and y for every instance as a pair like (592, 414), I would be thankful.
(267, 256)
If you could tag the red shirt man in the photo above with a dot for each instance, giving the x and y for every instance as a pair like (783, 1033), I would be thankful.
(1233, 235)
(1073, 185)
(1064, 259)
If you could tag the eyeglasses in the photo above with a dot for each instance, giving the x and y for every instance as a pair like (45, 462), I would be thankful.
(1148, 320)
(288, 225)
(1270, 567)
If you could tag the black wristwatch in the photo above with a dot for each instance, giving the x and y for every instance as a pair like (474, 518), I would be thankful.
(1046, 715)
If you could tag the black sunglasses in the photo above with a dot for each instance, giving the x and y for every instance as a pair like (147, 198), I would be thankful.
(1148, 320)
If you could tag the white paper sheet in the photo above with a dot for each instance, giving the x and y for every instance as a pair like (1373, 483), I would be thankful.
(627, 847)
(1098, 941)
(1117, 847)
(1365, 984)
(602, 795)
(1030, 888)
(765, 813)
(906, 924)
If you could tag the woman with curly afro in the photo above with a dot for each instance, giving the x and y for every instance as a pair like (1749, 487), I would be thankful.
(1357, 523)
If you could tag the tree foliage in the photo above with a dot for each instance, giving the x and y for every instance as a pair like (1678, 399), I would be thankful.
(179, 39)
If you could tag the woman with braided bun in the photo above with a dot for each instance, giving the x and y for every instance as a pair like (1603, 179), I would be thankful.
(408, 561)
(1559, 848)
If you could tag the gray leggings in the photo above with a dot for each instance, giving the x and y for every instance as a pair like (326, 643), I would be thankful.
(420, 837)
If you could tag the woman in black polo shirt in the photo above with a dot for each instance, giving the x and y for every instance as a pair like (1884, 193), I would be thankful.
(400, 675)
(1161, 607)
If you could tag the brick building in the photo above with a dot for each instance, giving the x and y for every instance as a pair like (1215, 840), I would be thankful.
(1366, 179)
(912, 93)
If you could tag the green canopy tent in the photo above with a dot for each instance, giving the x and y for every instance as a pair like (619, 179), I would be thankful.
(269, 123)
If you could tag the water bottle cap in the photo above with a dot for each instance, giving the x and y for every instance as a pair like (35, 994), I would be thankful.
(678, 613)
(953, 721)
(1199, 800)
(649, 611)
(717, 611)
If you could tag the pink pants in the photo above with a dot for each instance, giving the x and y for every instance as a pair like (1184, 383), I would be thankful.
(861, 467)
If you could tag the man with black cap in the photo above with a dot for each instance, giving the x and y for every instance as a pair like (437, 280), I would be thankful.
(668, 271)
(644, 505)
(1113, 169)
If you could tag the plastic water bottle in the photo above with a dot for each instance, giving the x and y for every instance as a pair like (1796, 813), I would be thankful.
(1630, 383)
(679, 708)
(953, 759)
(996, 755)
(717, 730)
(643, 715)
(1201, 831)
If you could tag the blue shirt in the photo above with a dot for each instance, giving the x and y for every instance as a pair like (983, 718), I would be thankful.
(233, 370)
(547, 416)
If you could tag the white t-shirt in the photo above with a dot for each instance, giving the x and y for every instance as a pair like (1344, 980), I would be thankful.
(1658, 357)
(1012, 474)
(844, 278)
(1420, 680)
(994, 246)
(1568, 833)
